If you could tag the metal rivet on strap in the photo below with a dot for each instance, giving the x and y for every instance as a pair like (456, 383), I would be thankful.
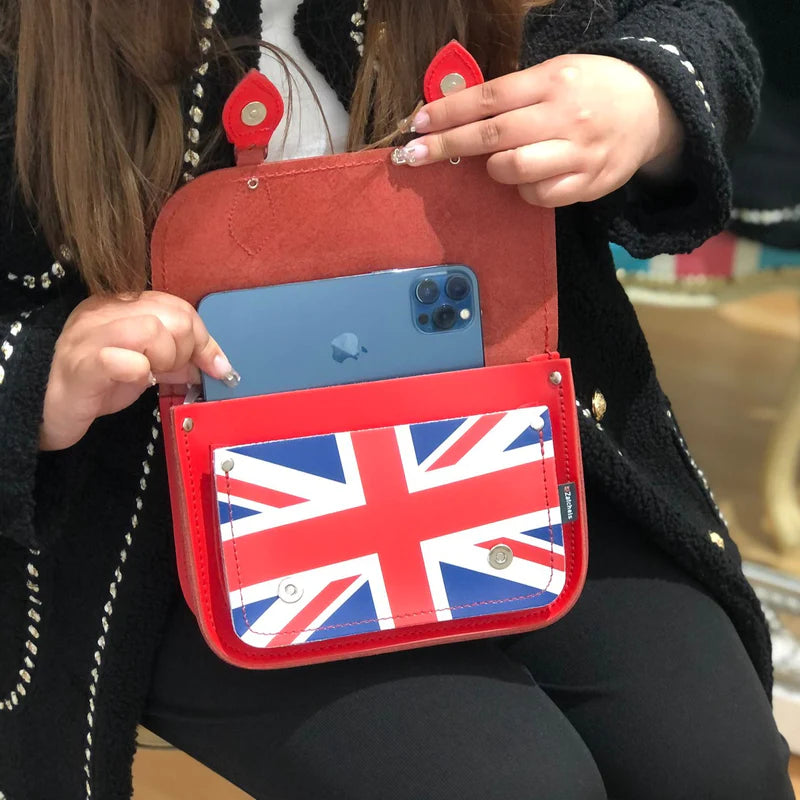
(555, 378)
(254, 113)
(501, 556)
(188, 424)
(227, 465)
(289, 591)
(452, 83)
(538, 424)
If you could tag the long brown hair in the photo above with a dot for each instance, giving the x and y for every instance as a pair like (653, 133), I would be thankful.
(99, 129)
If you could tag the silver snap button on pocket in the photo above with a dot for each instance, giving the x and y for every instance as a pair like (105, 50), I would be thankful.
(501, 556)
(289, 591)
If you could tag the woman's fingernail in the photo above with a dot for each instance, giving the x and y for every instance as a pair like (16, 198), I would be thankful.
(221, 366)
(421, 121)
(224, 371)
(412, 153)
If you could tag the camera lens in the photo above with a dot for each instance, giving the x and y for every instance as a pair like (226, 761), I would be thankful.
(457, 287)
(445, 317)
(428, 291)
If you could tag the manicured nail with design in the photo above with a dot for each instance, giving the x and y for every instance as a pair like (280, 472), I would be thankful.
(412, 153)
(225, 372)
(421, 121)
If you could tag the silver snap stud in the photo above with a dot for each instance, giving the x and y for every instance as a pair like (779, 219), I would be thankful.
(289, 591)
(252, 184)
(555, 378)
(452, 83)
(538, 424)
(254, 114)
(455, 161)
(188, 424)
(501, 556)
(227, 465)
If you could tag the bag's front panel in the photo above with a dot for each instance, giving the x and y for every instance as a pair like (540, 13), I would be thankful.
(204, 501)
(332, 536)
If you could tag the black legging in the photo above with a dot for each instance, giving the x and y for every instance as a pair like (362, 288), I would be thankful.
(642, 692)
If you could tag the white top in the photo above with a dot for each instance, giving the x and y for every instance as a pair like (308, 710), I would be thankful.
(306, 135)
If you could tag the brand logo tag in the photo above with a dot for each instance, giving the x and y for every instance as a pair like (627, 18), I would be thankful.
(568, 495)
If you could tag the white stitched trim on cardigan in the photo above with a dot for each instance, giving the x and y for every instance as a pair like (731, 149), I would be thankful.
(7, 346)
(191, 158)
(687, 65)
(33, 618)
(767, 216)
(108, 608)
(359, 22)
(46, 279)
(33, 610)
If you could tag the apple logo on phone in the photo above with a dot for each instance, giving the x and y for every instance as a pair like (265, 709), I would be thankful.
(346, 346)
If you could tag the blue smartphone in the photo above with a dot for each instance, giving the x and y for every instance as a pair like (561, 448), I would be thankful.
(369, 327)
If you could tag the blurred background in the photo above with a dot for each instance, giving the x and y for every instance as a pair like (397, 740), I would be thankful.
(724, 327)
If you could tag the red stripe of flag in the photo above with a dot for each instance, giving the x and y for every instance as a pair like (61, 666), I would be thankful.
(256, 494)
(460, 448)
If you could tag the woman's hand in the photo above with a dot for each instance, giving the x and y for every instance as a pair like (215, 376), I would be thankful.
(570, 130)
(112, 349)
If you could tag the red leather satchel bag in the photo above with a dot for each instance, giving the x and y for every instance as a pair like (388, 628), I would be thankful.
(359, 519)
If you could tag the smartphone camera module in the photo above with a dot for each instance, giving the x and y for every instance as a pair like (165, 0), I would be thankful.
(444, 299)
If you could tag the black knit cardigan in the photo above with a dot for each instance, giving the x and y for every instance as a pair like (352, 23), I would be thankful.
(86, 561)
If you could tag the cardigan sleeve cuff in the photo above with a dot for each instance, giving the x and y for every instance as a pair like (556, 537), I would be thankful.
(646, 217)
(35, 487)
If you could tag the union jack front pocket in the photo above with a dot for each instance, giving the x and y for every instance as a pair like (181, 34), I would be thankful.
(351, 520)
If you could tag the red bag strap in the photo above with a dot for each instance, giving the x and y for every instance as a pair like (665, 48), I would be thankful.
(255, 108)
(451, 70)
(250, 117)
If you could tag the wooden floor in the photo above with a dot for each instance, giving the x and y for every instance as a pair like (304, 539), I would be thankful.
(726, 371)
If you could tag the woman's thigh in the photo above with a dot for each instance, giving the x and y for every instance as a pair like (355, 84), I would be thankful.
(652, 674)
(460, 722)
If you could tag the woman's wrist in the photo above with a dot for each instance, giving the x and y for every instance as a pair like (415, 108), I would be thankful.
(666, 161)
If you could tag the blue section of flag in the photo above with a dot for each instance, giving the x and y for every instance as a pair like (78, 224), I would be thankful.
(530, 436)
(253, 611)
(545, 535)
(465, 587)
(427, 436)
(235, 513)
(357, 609)
(317, 455)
